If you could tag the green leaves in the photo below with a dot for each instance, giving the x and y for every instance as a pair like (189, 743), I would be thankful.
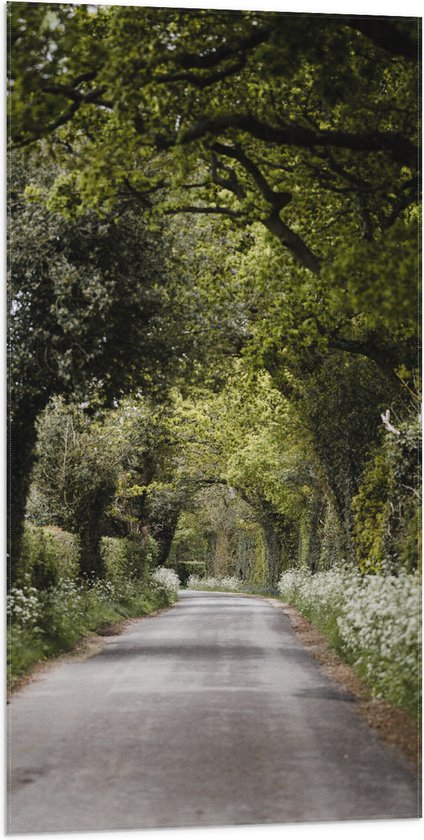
(209, 185)
(293, 93)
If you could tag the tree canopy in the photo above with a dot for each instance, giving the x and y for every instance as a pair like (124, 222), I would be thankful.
(219, 211)
(311, 131)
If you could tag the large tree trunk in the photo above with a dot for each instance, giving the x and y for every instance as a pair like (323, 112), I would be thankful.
(163, 532)
(315, 522)
(90, 526)
(21, 456)
(274, 548)
(91, 562)
(211, 540)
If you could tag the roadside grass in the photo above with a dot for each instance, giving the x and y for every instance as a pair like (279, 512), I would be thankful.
(373, 622)
(44, 624)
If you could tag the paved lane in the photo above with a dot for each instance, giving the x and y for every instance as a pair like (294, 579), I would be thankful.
(209, 714)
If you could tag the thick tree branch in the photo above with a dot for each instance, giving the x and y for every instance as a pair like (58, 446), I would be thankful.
(217, 209)
(335, 171)
(227, 50)
(291, 134)
(371, 346)
(205, 81)
(387, 359)
(88, 76)
(64, 118)
(236, 52)
(142, 196)
(231, 183)
(277, 200)
(293, 242)
(77, 97)
(95, 95)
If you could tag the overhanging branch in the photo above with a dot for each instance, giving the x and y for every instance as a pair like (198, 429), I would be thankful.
(291, 134)
(217, 209)
(278, 200)
(199, 81)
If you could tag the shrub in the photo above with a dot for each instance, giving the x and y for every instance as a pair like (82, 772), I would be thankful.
(387, 504)
(128, 558)
(24, 606)
(48, 554)
(65, 614)
(379, 627)
(44, 623)
(318, 596)
(231, 584)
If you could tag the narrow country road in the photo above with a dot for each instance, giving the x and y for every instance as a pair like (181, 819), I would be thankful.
(211, 713)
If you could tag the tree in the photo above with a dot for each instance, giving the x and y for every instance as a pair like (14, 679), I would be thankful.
(75, 477)
(148, 497)
(108, 474)
(94, 314)
(304, 136)
(239, 444)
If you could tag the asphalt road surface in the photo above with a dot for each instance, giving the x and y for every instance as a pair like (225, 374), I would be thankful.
(209, 714)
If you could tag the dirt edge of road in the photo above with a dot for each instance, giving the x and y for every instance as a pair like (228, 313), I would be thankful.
(393, 725)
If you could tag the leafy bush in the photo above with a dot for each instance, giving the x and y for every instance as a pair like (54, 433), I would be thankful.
(24, 606)
(317, 596)
(379, 627)
(373, 621)
(67, 548)
(65, 615)
(387, 505)
(124, 557)
(48, 554)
